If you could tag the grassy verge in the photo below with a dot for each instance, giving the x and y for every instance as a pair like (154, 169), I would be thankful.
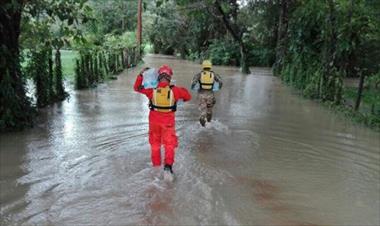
(370, 100)
(68, 58)
(68, 63)
(369, 111)
(148, 48)
(370, 120)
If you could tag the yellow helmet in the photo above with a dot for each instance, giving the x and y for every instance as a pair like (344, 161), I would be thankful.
(206, 64)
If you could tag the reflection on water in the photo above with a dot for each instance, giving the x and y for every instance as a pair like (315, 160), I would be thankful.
(268, 158)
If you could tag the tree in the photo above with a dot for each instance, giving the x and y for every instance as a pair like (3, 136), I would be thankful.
(199, 28)
(331, 80)
(282, 34)
(115, 16)
(165, 27)
(15, 110)
(48, 25)
(229, 18)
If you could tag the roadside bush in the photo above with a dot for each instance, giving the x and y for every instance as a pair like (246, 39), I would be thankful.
(223, 52)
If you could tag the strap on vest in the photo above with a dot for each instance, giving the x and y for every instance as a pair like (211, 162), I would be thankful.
(173, 108)
(206, 84)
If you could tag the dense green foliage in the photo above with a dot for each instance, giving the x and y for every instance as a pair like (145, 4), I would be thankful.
(312, 45)
(328, 41)
(110, 43)
(223, 52)
(103, 55)
(15, 109)
(103, 41)
(97, 64)
(114, 16)
(47, 27)
(195, 29)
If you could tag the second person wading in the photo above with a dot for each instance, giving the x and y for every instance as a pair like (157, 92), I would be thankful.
(162, 104)
(206, 80)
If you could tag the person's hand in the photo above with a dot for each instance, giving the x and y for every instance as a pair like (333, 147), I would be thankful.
(144, 69)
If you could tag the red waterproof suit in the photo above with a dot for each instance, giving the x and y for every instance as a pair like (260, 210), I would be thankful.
(162, 124)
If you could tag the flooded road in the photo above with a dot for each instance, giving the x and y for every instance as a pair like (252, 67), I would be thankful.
(268, 158)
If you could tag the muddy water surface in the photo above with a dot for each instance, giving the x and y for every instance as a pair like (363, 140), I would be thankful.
(268, 158)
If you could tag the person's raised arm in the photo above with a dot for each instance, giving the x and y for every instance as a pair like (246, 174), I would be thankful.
(138, 86)
(138, 83)
(183, 94)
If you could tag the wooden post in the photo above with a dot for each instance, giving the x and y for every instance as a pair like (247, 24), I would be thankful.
(360, 91)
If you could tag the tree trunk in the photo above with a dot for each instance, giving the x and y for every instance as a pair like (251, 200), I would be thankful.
(274, 36)
(78, 76)
(39, 64)
(122, 58)
(243, 59)
(15, 109)
(92, 71)
(83, 71)
(236, 33)
(350, 62)
(331, 87)
(96, 67)
(111, 62)
(116, 60)
(126, 58)
(105, 56)
(282, 35)
(59, 78)
(360, 91)
(51, 75)
(373, 109)
(89, 69)
(184, 52)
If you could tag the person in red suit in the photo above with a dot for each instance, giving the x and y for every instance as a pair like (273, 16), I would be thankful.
(163, 104)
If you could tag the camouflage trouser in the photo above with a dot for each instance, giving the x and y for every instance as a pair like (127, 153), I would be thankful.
(206, 103)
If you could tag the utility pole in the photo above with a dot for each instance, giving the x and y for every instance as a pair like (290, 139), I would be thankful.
(139, 27)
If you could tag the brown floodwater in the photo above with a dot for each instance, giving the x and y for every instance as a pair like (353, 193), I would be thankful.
(269, 157)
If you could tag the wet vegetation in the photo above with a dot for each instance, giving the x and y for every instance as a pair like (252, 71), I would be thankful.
(34, 37)
(313, 46)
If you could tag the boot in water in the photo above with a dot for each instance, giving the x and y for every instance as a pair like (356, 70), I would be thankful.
(168, 173)
(209, 117)
(202, 121)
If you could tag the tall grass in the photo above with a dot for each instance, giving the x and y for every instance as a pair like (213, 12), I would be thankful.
(68, 63)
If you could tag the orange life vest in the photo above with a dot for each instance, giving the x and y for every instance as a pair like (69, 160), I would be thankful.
(163, 100)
